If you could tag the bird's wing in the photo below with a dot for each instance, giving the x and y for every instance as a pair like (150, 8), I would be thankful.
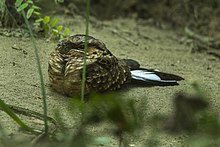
(153, 77)
(56, 67)
(107, 73)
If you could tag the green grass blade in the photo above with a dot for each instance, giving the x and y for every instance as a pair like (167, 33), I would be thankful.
(7, 110)
(85, 50)
(43, 91)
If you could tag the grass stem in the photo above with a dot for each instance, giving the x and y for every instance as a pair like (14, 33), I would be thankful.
(85, 50)
(43, 91)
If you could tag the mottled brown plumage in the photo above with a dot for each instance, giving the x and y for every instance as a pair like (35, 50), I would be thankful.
(103, 70)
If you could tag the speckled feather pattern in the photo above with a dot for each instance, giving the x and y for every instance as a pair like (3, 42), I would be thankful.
(103, 70)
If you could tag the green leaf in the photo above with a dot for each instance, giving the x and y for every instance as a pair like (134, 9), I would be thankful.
(36, 7)
(67, 31)
(46, 19)
(18, 3)
(37, 13)
(30, 1)
(30, 12)
(59, 28)
(54, 22)
(4, 107)
(55, 31)
(39, 20)
(22, 7)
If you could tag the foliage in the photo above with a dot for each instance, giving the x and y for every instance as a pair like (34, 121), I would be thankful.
(49, 26)
(191, 116)
(119, 111)
(7, 110)
(8, 14)
(2, 9)
(122, 113)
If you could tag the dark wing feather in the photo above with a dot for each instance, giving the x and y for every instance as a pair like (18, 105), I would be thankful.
(152, 78)
(107, 73)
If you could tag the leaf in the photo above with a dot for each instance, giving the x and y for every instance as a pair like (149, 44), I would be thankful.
(4, 107)
(36, 7)
(39, 20)
(55, 31)
(22, 7)
(59, 28)
(54, 22)
(46, 19)
(18, 3)
(30, 12)
(37, 13)
(30, 1)
(67, 31)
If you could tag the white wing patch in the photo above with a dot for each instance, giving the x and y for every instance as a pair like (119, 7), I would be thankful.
(147, 76)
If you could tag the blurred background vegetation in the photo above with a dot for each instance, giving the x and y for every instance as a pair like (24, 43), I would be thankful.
(200, 14)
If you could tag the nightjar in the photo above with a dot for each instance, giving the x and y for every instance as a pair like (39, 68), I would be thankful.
(103, 70)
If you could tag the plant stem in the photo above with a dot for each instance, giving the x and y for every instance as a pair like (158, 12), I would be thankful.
(85, 50)
(43, 91)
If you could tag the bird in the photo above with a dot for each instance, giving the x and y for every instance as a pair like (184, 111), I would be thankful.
(104, 71)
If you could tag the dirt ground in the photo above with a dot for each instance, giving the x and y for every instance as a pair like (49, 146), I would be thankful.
(125, 38)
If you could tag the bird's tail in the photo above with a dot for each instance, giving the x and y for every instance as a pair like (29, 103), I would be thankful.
(150, 77)
(154, 77)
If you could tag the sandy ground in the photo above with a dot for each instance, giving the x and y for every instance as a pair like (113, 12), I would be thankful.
(153, 48)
